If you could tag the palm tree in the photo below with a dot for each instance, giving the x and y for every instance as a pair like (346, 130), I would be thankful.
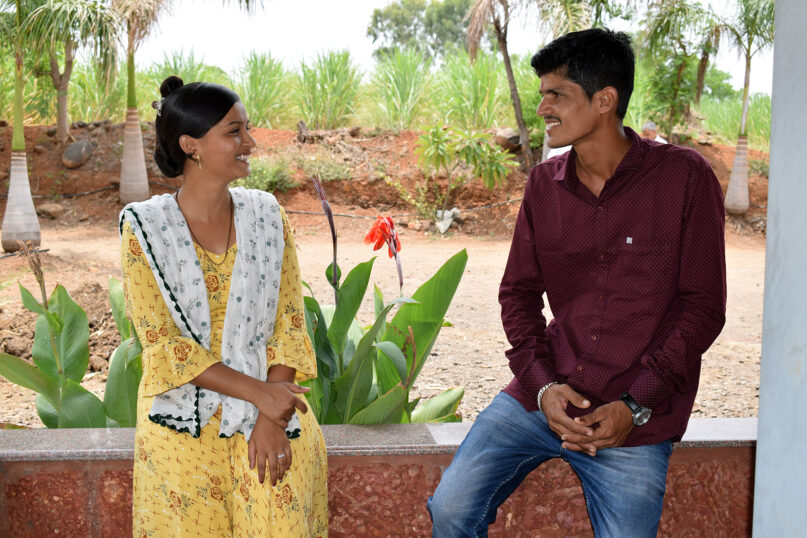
(20, 222)
(139, 17)
(682, 26)
(497, 13)
(749, 32)
(72, 24)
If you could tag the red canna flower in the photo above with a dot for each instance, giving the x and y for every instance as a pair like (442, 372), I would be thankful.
(383, 231)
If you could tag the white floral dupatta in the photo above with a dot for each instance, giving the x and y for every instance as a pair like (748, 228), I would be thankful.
(249, 321)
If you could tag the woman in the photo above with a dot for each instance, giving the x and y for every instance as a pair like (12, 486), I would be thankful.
(213, 287)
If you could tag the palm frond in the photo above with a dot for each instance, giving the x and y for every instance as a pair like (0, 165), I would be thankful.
(140, 17)
(479, 16)
(88, 23)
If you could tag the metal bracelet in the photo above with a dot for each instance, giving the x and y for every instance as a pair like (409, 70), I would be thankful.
(541, 393)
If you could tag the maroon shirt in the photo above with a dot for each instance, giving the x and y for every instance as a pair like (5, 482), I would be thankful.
(636, 280)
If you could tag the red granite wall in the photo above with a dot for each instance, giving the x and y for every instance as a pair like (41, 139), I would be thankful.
(709, 492)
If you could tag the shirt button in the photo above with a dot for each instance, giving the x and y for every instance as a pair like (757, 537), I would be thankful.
(602, 256)
(601, 208)
(579, 368)
(602, 296)
(593, 336)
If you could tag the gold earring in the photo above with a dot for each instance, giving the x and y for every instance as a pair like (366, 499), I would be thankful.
(197, 160)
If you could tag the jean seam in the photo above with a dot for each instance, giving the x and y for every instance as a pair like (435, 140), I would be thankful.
(496, 490)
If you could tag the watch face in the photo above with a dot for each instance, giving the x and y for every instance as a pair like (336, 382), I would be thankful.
(641, 416)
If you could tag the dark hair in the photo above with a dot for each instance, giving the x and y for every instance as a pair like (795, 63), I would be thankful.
(186, 109)
(594, 59)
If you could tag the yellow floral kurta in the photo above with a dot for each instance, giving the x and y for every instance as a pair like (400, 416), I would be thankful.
(185, 486)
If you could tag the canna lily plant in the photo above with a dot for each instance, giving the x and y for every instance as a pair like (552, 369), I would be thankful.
(366, 374)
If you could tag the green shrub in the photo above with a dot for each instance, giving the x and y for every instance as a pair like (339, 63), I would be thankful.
(327, 90)
(401, 85)
(268, 175)
(472, 95)
(324, 165)
(263, 86)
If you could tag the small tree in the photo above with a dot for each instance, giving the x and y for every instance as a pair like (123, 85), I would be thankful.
(71, 24)
(497, 14)
(20, 223)
(749, 32)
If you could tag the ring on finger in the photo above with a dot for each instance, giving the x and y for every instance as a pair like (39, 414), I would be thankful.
(279, 456)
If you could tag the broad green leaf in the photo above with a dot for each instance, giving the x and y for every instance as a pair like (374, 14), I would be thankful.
(351, 293)
(118, 304)
(25, 375)
(29, 302)
(71, 342)
(326, 357)
(80, 408)
(47, 413)
(426, 316)
(385, 410)
(354, 385)
(120, 394)
(112, 423)
(329, 275)
(393, 354)
(439, 407)
(378, 305)
(314, 397)
(453, 417)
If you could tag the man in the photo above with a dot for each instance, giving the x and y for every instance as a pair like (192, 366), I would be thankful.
(625, 236)
(650, 132)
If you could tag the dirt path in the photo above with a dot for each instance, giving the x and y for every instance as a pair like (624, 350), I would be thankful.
(469, 354)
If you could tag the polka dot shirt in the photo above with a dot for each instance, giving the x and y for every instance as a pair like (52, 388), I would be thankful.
(636, 280)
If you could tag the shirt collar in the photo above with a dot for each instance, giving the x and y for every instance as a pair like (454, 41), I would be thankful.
(631, 161)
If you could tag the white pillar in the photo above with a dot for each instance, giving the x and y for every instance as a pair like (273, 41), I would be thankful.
(780, 508)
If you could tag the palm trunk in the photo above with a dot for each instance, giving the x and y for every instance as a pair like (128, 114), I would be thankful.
(61, 82)
(703, 64)
(134, 181)
(746, 85)
(737, 196)
(523, 132)
(20, 222)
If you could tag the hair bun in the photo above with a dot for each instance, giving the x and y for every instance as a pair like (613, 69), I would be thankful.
(168, 166)
(170, 84)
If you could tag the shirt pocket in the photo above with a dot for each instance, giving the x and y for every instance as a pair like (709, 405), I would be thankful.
(646, 270)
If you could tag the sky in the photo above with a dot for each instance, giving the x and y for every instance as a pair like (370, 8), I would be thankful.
(294, 31)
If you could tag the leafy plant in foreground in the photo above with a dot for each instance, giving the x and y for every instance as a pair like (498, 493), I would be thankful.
(61, 354)
(365, 374)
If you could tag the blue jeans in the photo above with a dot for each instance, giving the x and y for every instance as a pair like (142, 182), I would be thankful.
(623, 487)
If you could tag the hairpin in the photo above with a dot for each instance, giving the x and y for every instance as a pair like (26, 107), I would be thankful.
(158, 105)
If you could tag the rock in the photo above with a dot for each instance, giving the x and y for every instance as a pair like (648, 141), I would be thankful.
(92, 127)
(39, 148)
(403, 223)
(81, 124)
(98, 363)
(17, 346)
(83, 217)
(76, 154)
(507, 138)
(51, 131)
(51, 210)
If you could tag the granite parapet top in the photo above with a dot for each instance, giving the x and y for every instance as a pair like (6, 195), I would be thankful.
(341, 440)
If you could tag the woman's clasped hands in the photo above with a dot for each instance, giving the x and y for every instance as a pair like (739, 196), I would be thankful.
(268, 444)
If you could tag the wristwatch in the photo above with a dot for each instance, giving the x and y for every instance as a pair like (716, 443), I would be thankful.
(640, 414)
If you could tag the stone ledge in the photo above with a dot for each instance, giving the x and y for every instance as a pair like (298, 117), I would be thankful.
(342, 440)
